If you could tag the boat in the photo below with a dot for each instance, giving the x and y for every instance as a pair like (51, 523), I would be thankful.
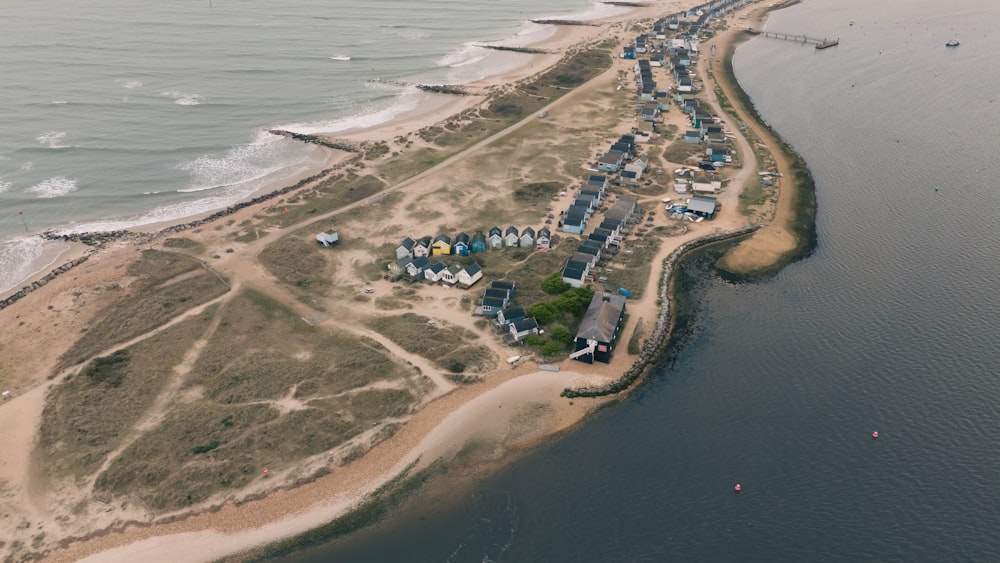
(340, 58)
(952, 43)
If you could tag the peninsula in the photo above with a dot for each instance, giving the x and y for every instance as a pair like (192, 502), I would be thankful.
(438, 295)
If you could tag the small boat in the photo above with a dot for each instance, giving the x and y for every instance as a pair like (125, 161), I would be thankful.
(340, 58)
(952, 43)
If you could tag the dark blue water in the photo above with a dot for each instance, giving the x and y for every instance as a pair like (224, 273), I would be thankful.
(890, 326)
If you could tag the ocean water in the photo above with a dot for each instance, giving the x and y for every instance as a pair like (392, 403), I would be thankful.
(121, 114)
(889, 326)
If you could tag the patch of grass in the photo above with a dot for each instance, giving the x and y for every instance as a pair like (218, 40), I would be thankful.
(299, 263)
(86, 417)
(410, 164)
(262, 349)
(679, 152)
(537, 191)
(631, 271)
(186, 244)
(152, 301)
(447, 347)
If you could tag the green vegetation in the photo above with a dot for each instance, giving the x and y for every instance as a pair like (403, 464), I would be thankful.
(448, 347)
(167, 285)
(537, 191)
(299, 263)
(679, 152)
(632, 270)
(88, 415)
(271, 390)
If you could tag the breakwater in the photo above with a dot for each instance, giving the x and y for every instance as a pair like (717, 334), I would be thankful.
(566, 22)
(651, 346)
(98, 240)
(528, 50)
(24, 291)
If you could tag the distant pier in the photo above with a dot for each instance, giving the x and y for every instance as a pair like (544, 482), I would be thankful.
(820, 43)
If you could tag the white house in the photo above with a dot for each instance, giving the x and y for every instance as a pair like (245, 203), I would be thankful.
(522, 328)
(470, 274)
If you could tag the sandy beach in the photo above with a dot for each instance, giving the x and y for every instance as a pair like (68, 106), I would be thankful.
(508, 409)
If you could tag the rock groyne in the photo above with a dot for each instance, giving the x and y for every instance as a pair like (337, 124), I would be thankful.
(651, 346)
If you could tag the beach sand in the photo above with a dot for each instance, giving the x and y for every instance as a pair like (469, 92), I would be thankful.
(492, 410)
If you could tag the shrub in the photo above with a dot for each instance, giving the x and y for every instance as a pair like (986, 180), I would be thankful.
(544, 313)
(550, 348)
(562, 334)
(554, 285)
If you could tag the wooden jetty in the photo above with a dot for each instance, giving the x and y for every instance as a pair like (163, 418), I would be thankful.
(820, 43)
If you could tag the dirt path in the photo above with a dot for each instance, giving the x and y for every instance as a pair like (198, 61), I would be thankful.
(774, 239)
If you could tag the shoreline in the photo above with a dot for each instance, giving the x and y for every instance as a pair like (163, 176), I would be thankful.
(575, 416)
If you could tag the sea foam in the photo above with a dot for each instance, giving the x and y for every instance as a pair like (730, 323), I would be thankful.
(53, 187)
(52, 139)
(182, 99)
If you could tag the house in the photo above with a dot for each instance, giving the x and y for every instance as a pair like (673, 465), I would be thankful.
(716, 138)
(400, 265)
(496, 238)
(544, 240)
(647, 114)
(690, 105)
(574, 225)
(622, 209)
(637, 166)
(509, 286)
(592, 193)
(591, 247)
(461, 246)
(490, 306)
(599, 182)
(706, 183)
(702, 205)
(470, 274)
(692, 136)
(497, 293)
(522, 328)
(574, 276)
(629, 177)
(415, 269)
(422, 247)
(585, 201)
(441, 245)
(450, 276)
(510, 237)
(527, 239)
(612, 226)
(643, 131)
(628, 52)
(433, 272)
(327, 239)
(510, 315)
(718, 154)
(611, 161)
(405, 248)
(478, 242)
(624, 148)
(602, 238)
(595, 340)
(587, 261)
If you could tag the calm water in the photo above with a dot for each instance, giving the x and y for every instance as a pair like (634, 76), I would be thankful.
(117, 114)
(889, 326)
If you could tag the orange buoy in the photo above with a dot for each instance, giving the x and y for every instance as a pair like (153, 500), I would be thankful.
(266, 472)
(737, 488)
(875, 435)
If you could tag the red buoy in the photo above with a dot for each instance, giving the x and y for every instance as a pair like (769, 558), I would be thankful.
(737, 488)
(875, 435)
(267, 472)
